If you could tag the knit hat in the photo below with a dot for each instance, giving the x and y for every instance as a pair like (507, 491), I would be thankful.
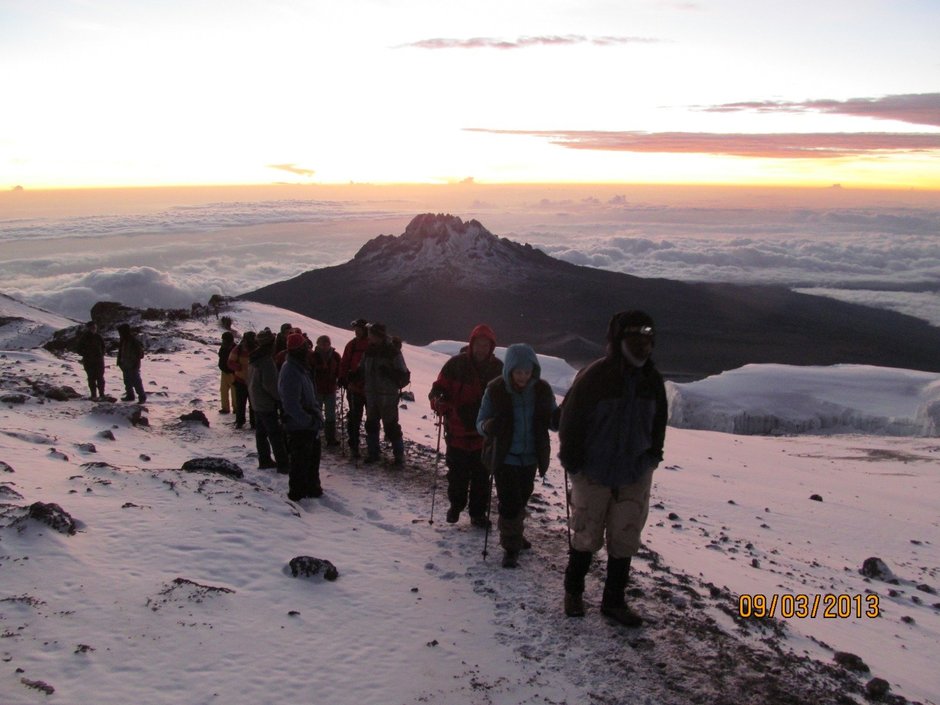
(377, 329)
(359, 323)
(295, 340)
(265, 337)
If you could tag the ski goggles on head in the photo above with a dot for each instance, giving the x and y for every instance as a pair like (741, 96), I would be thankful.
(645, 331)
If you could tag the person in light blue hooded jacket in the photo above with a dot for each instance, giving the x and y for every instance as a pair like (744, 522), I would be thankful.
(516, 414)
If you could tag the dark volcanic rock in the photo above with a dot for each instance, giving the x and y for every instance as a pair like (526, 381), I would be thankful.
(216, 465)
(850, 662)
(308, 566)
(53, 515)
(196, 415)
(876, 568)
(443, 276)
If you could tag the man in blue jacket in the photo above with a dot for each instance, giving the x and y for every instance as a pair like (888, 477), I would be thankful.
(613, 425)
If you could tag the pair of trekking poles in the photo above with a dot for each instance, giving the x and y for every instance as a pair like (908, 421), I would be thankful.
(489, 494)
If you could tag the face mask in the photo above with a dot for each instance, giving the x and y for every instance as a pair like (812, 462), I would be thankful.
(630, 357)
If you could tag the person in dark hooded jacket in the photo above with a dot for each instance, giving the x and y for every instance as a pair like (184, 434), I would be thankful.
(91, 347)
(516, 414)
(302, 420)
(384, 373)
(265, 399)
(455, 397)
(226, 377)
(129, 356)
(613, 426)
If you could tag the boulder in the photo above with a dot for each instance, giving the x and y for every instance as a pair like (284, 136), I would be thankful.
(220, 466)
(308, 566)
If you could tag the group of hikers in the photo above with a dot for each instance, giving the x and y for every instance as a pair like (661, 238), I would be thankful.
(611, 427)
(495, 416)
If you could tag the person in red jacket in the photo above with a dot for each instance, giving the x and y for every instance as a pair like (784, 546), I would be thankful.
(456, 397)
(352, 380)
(325, 363)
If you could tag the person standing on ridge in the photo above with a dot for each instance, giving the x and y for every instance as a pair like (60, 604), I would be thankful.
(91, 348)
(302, 420)
(350, 378)
(516, 414)
(455, 397)
(238, 364)
(613, 426)
(129, 355)
(384, 375)
(227, 377)
(265, 399)
(326, 362)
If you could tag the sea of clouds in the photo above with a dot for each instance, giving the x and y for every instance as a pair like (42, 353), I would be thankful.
(883, 255)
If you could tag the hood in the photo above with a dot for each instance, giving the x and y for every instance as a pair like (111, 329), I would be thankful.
(483, 331)
(620, 321)
(519, 355)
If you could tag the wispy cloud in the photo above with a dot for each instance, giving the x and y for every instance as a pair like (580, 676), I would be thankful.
(292, 169)
(916, 108)
(775, 146)
(523, 42)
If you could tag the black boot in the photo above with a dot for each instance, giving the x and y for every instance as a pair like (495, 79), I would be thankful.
(579, 562)
(614, 605)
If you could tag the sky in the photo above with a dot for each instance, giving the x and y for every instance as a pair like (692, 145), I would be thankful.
(192, 92)
(172, 572)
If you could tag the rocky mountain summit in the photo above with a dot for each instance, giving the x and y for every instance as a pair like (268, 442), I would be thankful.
(444, 275)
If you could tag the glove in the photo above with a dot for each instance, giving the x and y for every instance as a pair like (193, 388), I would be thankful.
(441, 407)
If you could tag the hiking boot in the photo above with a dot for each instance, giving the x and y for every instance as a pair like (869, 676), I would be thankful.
(224, 411)
(353, 452)
(511, 559)
(267, 465)
(283, 469)
(526, 544)
(481, 522)
(369, 459)
(316, 492)
(574, 605)
(622, 614)
(399, 460)
(453, 515)
(142, 399)
(128, 397)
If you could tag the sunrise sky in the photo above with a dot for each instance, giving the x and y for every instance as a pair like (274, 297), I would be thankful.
(134, 93)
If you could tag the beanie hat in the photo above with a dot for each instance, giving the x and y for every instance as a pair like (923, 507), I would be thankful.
(295, 341)
(378, 329)
(265, 337)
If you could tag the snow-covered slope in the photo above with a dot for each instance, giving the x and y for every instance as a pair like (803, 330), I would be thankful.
(784, 399)
(175, 586)
(23, 326)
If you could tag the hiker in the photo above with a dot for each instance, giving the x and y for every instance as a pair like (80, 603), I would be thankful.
(516, 414)
(238, 364)
(384, 375)
(350, 378)
(91, 348)
(455, 397)
(613, 425)
(302, 421)
(227, 377)
(280, 342)
(263, 394)
(129, 355)
(326, 362)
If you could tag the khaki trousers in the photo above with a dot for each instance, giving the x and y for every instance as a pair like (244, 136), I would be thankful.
(618, 512)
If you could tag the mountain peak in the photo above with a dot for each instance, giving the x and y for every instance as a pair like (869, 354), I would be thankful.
(442, 244)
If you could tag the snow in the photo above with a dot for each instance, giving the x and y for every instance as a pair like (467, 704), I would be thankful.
(782, 399)
(417, 614)
(27, 326)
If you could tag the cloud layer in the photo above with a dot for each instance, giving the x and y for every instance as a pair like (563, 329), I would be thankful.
(915, 108)
(767, 145)
(552, 40)
(884, 255)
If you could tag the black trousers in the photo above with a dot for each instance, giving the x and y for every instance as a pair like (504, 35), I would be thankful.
(467, 479)
(514, 486)
(304, 450)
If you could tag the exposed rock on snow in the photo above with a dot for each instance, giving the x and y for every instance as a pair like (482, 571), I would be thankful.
(876, 568)
(308, 566)
(216, 465)
(851, 662)
(53, 515)
(196, 415)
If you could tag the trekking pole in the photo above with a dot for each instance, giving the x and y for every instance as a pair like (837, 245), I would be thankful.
(567, 510)
(489, 505)
(342, 422)
(437, 465)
